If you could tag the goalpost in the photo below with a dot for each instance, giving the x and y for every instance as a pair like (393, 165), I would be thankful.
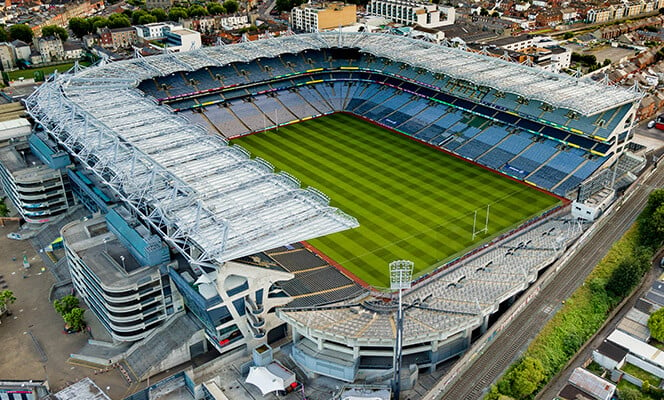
(486, 223)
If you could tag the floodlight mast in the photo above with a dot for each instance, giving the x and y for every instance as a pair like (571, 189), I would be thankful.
(401, 274)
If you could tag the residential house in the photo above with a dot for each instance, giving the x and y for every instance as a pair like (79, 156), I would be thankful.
(72, 50)
(118, 38)
(50, 48)
(549, 18)
(21, 50)
(7, 58)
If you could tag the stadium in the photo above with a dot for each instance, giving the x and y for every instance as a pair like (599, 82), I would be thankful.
(471, 162)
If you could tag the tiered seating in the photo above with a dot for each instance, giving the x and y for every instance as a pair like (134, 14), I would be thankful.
(579, 175)
(462, 134)
(445, 126)
(175, 84)
(254, 72)
(409, 109)
(152, 88)
(424, 119)
(331, 94)
(296, 105)
(255, 117)
(506, 150)
(203, 79)
(311, 95)
(389, 117)
(558, 168)
(531, 159)
(225, 121)
(361, 102)
(273, 108)
(296, 63)
(483, 142)
(275, 66)
(228, 76)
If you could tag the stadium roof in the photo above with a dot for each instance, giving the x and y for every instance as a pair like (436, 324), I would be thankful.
(583, 96)
(210, 200)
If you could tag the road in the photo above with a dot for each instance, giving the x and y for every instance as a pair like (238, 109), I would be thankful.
(488, 366)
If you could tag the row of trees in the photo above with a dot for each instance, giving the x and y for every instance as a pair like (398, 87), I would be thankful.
(84, 26)
(16, 32)
(614, 278)
(589, 61)
(71, 313)
(24, 33)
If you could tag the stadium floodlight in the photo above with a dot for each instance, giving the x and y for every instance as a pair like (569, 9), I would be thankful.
(401, 274)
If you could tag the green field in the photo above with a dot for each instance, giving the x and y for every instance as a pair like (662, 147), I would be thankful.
(413, 202)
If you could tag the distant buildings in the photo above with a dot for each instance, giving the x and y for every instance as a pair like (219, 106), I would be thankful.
(150, 4)
(182, 40)
(118, 37)
(321, 17)
(413, 13)
(526, 49)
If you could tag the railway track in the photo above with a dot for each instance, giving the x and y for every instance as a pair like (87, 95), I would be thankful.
(488, 366)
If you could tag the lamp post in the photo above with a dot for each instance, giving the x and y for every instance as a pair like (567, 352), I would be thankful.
(401, 273)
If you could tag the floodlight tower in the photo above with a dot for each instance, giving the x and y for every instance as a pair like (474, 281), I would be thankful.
(401, 273)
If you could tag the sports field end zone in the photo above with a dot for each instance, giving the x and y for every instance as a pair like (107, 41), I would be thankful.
(413, 202)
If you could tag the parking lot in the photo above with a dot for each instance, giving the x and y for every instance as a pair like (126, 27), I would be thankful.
(32, 342)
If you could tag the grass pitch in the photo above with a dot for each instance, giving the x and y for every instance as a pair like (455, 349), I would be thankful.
(413, 202)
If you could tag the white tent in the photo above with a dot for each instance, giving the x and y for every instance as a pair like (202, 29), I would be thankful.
(265, 380)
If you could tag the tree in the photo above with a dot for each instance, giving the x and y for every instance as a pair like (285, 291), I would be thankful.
(568, 35)
(656, 325)
(630, 394)
(606, 62)
(484, 12)
(177, 13)
(626, 275)
(21, 32)
(80, 26)
(231, 6)
(197, 11)
(98, 23)
(54, 30)
(74, 319)
(119, 20)
(136, 15)
(651, 220)
(147, 19)
(523, 379)
(4, 211)
(160, 14)
(6, 298)
(215, 8)
(4, 35)
(66, 304)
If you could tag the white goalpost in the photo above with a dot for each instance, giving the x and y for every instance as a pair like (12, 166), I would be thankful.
(486, 223)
